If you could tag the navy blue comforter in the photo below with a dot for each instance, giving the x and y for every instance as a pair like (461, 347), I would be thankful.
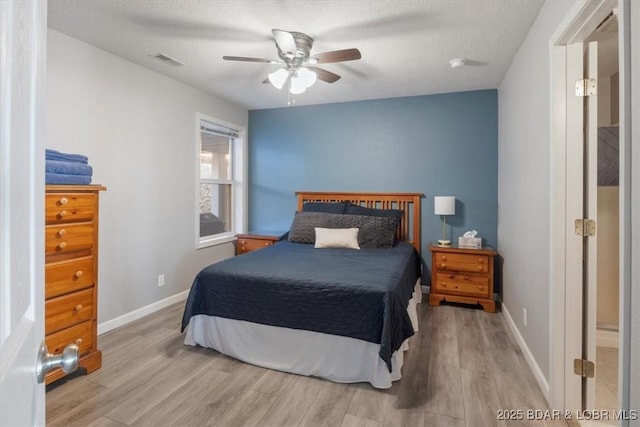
(353, 293)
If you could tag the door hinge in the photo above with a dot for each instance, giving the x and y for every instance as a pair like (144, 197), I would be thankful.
(585, 227)
(584, 368)
(586, 87)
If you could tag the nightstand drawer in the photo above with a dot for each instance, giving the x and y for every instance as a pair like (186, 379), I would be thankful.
(248, 245)
(462, 262)
(251, 242)
(463, 284)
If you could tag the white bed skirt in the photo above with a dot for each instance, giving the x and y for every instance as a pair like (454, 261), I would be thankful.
(337, 358)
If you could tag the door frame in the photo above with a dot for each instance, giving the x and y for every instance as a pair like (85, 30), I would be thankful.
(566, 324)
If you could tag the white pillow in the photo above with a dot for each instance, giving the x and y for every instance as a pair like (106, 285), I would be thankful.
(337, 238)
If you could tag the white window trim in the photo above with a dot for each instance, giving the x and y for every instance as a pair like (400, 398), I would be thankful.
(239, 189)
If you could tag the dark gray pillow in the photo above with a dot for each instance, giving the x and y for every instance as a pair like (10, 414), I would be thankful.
(353, 209)
(374, 232)
(327, 207)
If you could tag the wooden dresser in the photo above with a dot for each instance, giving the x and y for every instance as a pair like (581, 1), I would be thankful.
(71, 272)
(462, 275)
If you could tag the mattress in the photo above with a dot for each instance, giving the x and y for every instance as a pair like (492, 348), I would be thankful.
(359, 294)
(336, 358)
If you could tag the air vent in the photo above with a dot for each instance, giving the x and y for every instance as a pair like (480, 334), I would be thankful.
(167, 59)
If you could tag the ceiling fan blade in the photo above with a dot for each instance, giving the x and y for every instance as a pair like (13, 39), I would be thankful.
(247, 59)
(325, 75)
(285, 41)
(337, 56)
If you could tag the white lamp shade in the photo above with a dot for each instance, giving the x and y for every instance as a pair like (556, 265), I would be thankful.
(277, 78)
(297, 85)
(444, 205)
(307, 76)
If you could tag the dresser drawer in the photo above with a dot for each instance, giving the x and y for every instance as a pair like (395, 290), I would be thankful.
(68, 310)
(68, 238)
(68, 276)
(462, 284)
(79, 334)
(62, 208)
(462, 262)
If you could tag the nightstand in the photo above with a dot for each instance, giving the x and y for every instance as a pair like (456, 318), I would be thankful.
(462, 275)
(252, 241)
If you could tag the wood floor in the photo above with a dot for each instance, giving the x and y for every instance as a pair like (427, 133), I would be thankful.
(462, 367)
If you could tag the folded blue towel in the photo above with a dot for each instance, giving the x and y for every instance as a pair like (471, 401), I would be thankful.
(68, 168)
(57, 155)
(60, 178)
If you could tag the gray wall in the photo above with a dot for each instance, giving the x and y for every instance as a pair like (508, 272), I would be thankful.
(139, 130)
(524, 182)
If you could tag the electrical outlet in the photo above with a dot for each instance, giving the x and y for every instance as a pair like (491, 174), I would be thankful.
(160, 280)
(524, 316)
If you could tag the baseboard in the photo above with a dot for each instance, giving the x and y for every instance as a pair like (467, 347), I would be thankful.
(607, 338)
(537, 372)
(141, 312)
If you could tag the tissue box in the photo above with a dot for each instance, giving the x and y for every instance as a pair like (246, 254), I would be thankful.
(470, 242)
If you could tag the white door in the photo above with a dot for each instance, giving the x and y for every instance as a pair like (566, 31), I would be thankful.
(590, 212)
(581, 251)
(22, 61)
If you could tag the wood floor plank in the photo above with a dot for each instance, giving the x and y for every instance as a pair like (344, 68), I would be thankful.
(368, 402)
(444, 389)
(150, 378)
(354, 421)
(438, 420)
(480, 399)
(330, 406)
(471, 349)
(212, 406)
(106, 422)
(292, 405)
(184, 400)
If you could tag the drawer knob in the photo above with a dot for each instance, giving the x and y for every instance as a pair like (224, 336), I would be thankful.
(444, 258)
(244, 242)
(479, 267)
(78, 307)
(63, 201)
(61, 232)
(62, 245)
(266, 243)
(479, 259)
(62, 214)
(78, 274)
(444, 284)
(78, 342)
(443, 265)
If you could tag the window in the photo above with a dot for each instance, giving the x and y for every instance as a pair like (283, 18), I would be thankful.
(219, 192)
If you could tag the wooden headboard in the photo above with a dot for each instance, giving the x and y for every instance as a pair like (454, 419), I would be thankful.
(409, 203)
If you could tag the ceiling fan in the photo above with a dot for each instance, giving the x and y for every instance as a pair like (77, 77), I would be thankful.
(298, 66)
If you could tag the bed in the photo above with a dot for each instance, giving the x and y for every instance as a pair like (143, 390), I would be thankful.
(337, 313)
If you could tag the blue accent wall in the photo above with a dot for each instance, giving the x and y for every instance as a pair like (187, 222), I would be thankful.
(443, 145)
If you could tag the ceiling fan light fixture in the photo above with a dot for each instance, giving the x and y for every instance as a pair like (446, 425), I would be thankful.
(307, 76)
(458, 62)
(277, 78)
(298, 85)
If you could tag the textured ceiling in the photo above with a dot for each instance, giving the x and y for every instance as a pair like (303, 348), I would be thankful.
(406, 45)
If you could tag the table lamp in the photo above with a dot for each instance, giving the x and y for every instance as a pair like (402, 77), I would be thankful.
(444, 205)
